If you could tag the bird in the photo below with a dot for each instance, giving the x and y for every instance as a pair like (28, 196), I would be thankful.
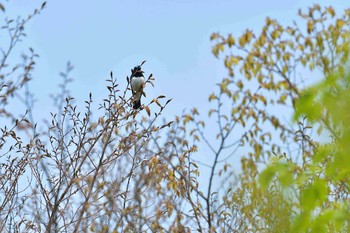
(137, 82)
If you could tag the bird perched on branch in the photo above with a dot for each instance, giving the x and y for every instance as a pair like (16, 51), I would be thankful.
(137, 82)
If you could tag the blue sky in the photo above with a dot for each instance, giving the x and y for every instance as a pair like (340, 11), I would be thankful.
(173, 36)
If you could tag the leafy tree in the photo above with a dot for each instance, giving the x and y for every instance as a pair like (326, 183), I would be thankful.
(296, 192)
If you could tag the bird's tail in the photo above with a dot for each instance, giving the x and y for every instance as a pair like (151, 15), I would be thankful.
(137, 104)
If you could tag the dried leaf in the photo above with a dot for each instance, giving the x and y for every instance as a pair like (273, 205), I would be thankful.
(147, 110)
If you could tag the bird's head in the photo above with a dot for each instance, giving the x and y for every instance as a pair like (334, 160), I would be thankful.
(137, 70)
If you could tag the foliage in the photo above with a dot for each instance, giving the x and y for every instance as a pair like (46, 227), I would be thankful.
(291, 194)
(322, 184)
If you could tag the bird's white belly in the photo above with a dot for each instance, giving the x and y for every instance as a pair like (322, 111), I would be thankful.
(136, 83)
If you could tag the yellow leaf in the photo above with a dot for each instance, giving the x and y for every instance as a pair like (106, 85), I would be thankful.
(153, 161)
(221, 47)
(310, 26)
(228, 62)
(262, 40)
(215, 51)
(242, 41)
(223, 86)
(285, 69)
(211, 111)
(340, 23)
(214, 36)
(282, 99)
(235, 59)
(268, 21)
(249, 36)
(246, 38)
(330, 11)
(188, 118)
(300, 47)
(290, 31)
(262, 99)
(240, 84)
(275, 34)
(230, 41)
(194, 111)
(212, 97)
(308, 42)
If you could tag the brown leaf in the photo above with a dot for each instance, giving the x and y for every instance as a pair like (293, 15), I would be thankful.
(147, 110)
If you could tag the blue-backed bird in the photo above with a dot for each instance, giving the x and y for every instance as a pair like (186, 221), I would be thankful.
(137, 82)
